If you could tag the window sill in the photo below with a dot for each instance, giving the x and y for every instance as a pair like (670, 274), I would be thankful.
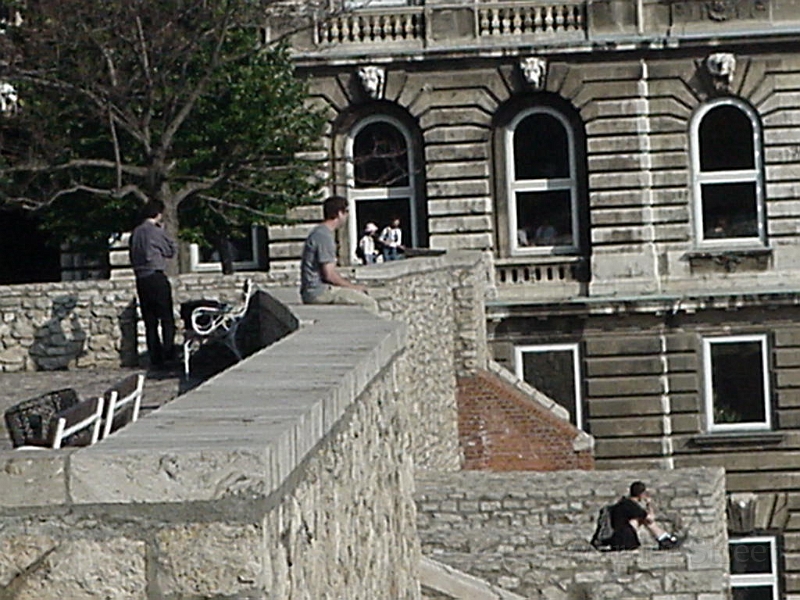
(738, 438)
(729, 259)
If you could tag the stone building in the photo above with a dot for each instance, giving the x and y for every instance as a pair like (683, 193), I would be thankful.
(631, 170)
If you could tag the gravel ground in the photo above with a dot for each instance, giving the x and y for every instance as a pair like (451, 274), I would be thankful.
(159, 388)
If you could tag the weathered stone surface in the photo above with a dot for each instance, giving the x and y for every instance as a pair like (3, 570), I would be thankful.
(210, 559)
(35, 477)
(87, 569)
(18, 553)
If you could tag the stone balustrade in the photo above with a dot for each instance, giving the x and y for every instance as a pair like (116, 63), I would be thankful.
(548, 276)
(515, 18)
(468, 25)
(371, 26)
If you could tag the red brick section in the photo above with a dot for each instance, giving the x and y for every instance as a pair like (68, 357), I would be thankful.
(501, 429)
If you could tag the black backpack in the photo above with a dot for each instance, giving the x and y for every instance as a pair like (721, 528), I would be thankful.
(359, 252)
(604, 530)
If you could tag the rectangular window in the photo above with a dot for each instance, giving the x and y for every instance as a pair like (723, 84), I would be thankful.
(245, 253)
(737, 391)
(554, 370)
(754, 571)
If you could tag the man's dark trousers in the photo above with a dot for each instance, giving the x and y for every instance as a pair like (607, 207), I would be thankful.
(155, 303)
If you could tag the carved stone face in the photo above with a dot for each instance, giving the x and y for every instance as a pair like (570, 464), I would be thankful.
(372, 78)
(533, 70)
(721, 66)
(9, 99)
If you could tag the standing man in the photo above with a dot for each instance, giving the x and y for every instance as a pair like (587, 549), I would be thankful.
(150, 247)
(320, 282)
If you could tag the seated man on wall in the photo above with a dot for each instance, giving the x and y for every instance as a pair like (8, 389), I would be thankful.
(633, 511)
(320, 282)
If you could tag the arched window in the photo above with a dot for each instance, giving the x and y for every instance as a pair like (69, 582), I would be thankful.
(381, 178)
(727, 174)
(542, 183)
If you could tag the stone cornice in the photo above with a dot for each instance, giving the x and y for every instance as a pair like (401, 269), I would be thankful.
(656, 305)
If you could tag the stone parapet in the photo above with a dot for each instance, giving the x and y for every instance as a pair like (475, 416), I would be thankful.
(479, 26)
(287, 476)
(529, 532)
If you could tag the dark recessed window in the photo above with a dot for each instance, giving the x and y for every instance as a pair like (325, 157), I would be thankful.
(754, 573)
(542, 182)
(737, 383)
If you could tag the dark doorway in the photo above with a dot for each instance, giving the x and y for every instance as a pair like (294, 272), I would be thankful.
(25, 255)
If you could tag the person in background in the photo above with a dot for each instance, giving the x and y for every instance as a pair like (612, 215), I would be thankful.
(366, 245)
(150, 248)
(629, 514)
(392, 239)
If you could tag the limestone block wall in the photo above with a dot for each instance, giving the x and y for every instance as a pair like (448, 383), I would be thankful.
(264, 482)
(78, 324)
(529, 533)
(440, 300)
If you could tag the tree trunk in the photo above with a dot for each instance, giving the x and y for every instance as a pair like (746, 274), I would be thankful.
(223, 246)
(171, 226)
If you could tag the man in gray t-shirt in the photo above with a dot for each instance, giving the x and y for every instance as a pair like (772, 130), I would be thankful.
(320, 282)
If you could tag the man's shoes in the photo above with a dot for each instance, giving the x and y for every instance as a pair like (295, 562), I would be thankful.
(669, 543)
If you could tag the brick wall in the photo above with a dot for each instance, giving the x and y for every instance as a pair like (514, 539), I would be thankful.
(502, 429)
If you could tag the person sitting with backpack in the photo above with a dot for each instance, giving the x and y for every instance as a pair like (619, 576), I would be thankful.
(625, 517)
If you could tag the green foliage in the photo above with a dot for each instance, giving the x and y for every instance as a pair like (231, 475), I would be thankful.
(125, 101)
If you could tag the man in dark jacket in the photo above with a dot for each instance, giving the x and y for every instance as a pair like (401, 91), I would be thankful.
(150, 247)
(630, 513)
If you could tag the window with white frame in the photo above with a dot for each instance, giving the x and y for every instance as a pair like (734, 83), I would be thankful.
(243, 249)
(381, 178)
(727, 169)
(754, 570)
(542, 183)
(554, 370)
(737, 390)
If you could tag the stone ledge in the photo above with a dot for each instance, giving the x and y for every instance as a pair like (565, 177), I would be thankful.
(199, 449)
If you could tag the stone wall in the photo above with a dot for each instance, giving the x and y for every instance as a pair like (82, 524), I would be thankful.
(529, 533)
(264, 482)
(441, 302)
(49, 326)
(440, 299)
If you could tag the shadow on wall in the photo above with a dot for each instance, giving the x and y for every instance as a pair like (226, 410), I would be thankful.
(128, 348)
(59, 342)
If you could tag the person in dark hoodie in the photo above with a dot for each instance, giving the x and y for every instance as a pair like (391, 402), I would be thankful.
(631, 512)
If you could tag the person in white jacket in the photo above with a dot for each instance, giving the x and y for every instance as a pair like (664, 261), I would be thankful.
(366, 245)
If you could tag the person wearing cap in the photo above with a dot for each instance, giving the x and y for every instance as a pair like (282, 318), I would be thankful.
(629, 514)
(366, 245)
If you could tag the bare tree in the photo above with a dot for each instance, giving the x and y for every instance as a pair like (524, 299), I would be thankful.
(122, 101)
